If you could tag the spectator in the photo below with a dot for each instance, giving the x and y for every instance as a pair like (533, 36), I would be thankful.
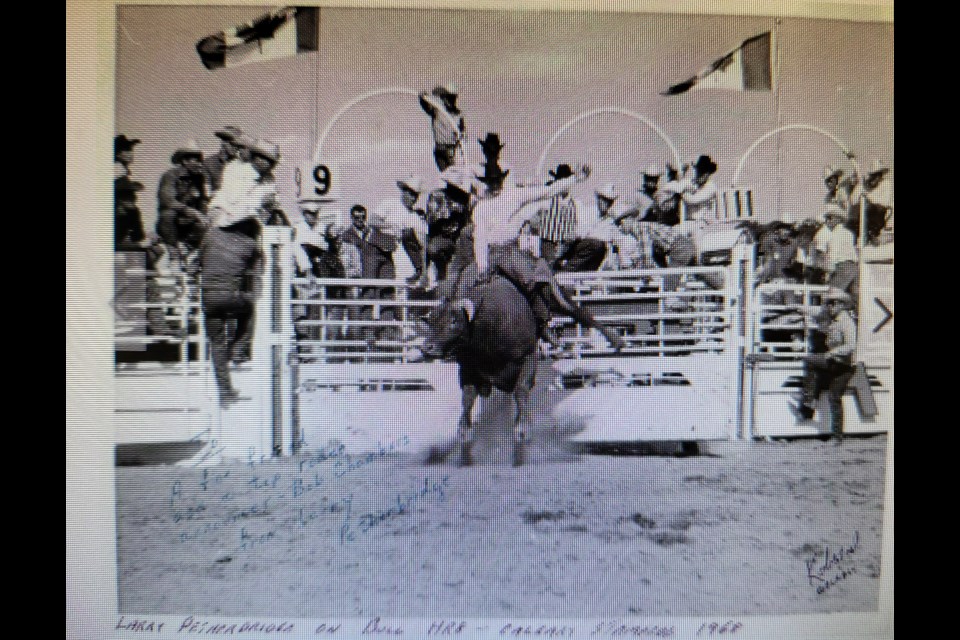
(831, 371)
(182, 203)
(778, 263)
(556, 224)
(653, 204)
(123, 155)
(411, 223)
(128, 222)
(877, 194)
(812, 267)
(448, 125)
(699, 193)
(669, 195)
(128, 232)
(215, 164)
(596, 234)
(836, 250)
(671, 247)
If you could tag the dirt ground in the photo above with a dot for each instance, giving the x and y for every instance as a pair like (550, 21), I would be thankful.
(758, 528)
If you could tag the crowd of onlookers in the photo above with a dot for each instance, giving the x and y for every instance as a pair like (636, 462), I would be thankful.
(211, 206)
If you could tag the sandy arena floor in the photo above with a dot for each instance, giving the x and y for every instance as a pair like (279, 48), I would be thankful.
(742, 530)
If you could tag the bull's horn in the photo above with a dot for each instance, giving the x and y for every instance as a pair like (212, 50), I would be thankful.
(467, 305)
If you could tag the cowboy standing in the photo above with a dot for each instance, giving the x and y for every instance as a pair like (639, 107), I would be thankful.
(836, 250)
(216, 163)
(831, 371)
(448, 125)
(498, 219)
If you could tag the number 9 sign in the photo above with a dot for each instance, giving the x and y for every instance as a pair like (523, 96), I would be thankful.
(314, 180)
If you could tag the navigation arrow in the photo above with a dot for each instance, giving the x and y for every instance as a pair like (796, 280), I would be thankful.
(889, 315)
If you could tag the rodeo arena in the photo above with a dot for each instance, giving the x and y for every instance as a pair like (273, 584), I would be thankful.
(677, 312)
(390, 348)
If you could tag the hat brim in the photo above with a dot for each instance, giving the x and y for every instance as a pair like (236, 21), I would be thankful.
(493, 178)
(225, 135)
(180, 155)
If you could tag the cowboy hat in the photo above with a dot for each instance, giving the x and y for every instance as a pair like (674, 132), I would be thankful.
(243, 140)
(491, 142)
(266, 149)
(652, 171)
(562, 171)
(877, 167)
(830, 171)
(229, 133)
(191, 148)
(411, 183)
(449, 89)
(705, 164)
(608, 192)
(123, 143)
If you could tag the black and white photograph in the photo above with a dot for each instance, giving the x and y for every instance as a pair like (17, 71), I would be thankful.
(555, 320)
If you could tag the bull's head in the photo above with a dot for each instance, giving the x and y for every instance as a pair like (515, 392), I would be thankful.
(447, 330)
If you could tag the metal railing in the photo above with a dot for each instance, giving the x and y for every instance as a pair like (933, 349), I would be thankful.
(784, 317)
(168, 312)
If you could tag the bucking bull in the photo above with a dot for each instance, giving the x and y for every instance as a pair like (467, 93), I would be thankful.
(492, 334)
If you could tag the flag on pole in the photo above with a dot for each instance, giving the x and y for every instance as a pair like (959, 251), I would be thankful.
(279, 34)
(749, 67)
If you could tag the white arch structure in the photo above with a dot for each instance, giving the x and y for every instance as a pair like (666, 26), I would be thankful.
(615, 110)
(791, 127)
(351, 104)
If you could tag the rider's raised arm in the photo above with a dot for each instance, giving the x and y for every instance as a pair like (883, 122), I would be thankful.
(532, 194)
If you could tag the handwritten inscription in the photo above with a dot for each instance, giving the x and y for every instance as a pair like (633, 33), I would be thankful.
(618, 629)
(191, 625)
(833, 567)
(541, 631)
(210, 503)
(404, 503)
(446, 627)
(378, 627)
(138, 625)
(708, 629)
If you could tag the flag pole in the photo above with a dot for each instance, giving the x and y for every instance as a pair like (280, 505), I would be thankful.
(779, 113)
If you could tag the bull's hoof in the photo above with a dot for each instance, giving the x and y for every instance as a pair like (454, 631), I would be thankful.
(466, 455)
(436, 455)
(518, 454)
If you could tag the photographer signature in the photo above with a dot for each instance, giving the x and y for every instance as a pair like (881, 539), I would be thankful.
(832, 566)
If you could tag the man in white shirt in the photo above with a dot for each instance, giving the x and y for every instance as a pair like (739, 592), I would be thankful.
(248, 188)
(597, 235)
(410, 224)
(837, 251)
(498, 219)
